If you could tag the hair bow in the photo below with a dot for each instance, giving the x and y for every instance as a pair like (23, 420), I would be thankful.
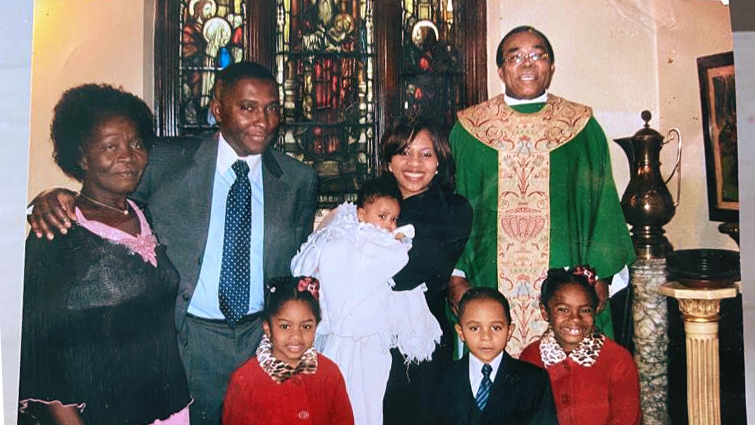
(587, 272)
(310, 284)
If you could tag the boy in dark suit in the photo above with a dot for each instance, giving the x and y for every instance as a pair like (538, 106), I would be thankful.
(488, 386)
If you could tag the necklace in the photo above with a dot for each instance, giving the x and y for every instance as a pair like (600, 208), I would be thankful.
(124, 212)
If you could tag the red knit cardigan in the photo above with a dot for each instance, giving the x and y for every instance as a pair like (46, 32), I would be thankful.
(608, 392)
(316, 399)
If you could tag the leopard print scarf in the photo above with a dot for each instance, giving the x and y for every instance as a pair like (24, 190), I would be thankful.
(278, 370)
(586, 354)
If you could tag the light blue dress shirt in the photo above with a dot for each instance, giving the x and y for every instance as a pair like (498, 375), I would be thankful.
(204, 302)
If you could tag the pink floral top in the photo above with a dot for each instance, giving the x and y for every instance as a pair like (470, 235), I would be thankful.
(144, 244)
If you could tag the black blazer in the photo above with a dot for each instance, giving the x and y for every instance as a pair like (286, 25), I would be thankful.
(177, 189)
(521, 394)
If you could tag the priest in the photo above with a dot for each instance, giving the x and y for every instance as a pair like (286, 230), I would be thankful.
(537, 171)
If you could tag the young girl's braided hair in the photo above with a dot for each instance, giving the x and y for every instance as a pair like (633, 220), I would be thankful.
(284, 289)
(558, 277)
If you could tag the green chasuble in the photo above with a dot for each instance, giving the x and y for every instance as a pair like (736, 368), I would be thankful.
(565, 211)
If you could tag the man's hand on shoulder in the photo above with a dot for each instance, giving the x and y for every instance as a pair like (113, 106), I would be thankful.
(53, 210)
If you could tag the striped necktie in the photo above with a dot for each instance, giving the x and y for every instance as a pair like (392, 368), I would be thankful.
(484, 391)
(233, 290)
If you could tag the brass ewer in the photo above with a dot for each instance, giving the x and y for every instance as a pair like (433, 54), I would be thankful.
(647, 202)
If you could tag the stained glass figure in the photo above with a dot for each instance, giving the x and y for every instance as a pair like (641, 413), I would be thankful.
(325, 65)
(212, 37)
(431, 69)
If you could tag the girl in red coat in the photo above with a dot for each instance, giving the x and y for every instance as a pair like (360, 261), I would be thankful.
(594, 380)
(288, 381)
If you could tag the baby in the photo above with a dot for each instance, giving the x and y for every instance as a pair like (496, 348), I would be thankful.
(378, 204)
(355, 252)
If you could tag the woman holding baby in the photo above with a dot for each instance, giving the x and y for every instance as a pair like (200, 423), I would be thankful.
(418, 157)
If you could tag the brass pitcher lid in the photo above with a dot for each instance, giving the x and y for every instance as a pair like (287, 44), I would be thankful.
(647, 131)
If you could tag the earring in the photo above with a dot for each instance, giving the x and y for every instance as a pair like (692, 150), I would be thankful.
(436, 172)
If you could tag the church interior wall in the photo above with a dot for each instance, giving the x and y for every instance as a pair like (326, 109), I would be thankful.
(701, 28)
(744, 56)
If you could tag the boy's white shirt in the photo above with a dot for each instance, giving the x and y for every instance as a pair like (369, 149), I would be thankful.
(475, 371)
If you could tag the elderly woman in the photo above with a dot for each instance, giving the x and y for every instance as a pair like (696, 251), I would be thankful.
(99, 344)
(417, 155)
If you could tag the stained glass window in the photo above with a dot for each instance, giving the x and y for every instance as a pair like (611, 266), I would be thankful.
(325, 67)
(431, 69)
(335, 62)
(212, 37)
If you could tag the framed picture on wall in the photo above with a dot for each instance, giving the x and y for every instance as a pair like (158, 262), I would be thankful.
(719, 116)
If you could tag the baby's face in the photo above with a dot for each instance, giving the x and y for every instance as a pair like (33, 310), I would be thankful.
(383, 213)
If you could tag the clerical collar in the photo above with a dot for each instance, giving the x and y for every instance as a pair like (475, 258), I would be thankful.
(513, 101)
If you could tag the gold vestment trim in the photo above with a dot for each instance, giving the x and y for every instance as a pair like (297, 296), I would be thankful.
(524, 142)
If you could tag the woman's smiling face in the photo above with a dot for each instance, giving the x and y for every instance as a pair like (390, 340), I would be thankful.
(114, 159)
(415, 167)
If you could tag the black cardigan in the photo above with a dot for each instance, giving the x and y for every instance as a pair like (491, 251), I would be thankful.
(98, 329)
(442, 223)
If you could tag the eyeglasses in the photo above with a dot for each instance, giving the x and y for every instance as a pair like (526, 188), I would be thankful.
(518, 58)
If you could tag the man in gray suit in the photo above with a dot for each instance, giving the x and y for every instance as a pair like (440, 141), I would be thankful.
(186, 187)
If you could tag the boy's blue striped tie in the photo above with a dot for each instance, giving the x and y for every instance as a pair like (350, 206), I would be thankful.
(484, 391)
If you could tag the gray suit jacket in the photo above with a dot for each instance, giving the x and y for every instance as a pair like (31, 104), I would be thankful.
(177, 189)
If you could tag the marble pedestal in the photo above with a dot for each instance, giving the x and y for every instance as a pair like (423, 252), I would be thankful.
(649, 312)
(700, 308)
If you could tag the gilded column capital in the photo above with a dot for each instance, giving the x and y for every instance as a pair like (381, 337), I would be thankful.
(700, 310)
